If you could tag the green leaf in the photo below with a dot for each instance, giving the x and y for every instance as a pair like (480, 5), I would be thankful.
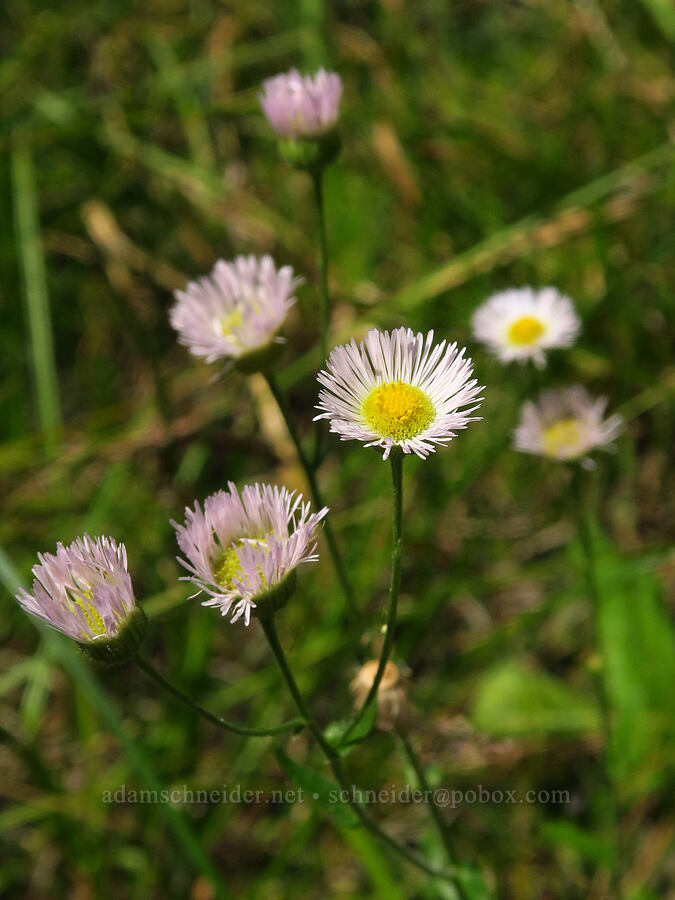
(516, 698)
(637, 646)
(333, 733)
(376, 863)
(324, 792)
(589, 846)
(473, 883)
(335, 730)
(364, 726)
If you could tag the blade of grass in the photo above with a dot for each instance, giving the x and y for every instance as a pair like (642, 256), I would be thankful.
(62, 652)
(383, 878)
(36, 299)
(187, 106)
(663, 13)
(570, 217)
(203, 187)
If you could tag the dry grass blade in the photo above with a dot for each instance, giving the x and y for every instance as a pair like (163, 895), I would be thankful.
(622, 191)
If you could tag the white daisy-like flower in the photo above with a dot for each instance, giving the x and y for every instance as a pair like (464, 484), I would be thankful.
(241, 548)
(398, 390)
(566, 425)
(235, 311)
(522, 323)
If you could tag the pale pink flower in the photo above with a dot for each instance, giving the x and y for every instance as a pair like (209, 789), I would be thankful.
(566, 425)
(302, 106)
(83, 590)
(236, 310)
(241, 546)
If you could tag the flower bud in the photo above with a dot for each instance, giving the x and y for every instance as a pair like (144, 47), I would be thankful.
(311, 154)
(84, 591)
(392, 706)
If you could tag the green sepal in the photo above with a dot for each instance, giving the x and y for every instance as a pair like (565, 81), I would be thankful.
(311, 154)
(270, 602)
(124, 646)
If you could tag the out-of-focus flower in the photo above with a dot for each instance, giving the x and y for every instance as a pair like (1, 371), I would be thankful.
(84, 590)
(566, 425)
(236, 311)
(521, 323)
(398, 390)
(302, 106)
(391, 698)
(243, 549)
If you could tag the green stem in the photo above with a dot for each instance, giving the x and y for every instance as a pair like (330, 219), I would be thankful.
(310, 474)
(424, 785)
(587, 530)
(295, 725)
(334, 761)
(324, 315)
(396, 460)
(317, 181)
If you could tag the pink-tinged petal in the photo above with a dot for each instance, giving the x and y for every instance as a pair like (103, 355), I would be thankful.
(83, 590)
(237, 309)
(268, 529)
(298, 106)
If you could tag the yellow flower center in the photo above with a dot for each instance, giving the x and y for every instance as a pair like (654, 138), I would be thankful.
(84, 601)
(562, 439)
(228, 567)
(231, 321)
(525, 331)
(397, 410)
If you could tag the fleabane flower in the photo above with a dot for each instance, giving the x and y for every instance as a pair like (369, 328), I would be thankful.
(302, 106)
(243, 549)
(84, 591)
(566, 425)
(522, 323)
(236, 311)
(398, 389)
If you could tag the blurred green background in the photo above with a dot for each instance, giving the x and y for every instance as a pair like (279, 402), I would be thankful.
(486, 144)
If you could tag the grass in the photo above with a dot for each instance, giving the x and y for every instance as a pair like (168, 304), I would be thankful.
(484, 145)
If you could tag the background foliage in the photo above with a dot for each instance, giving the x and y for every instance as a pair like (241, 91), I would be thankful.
(485, 144)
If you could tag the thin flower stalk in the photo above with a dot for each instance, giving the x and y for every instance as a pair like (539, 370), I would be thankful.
(310, 474)
(441, 826)
(294, 725)
(396, 461)
(335, 763)
(586, 527)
